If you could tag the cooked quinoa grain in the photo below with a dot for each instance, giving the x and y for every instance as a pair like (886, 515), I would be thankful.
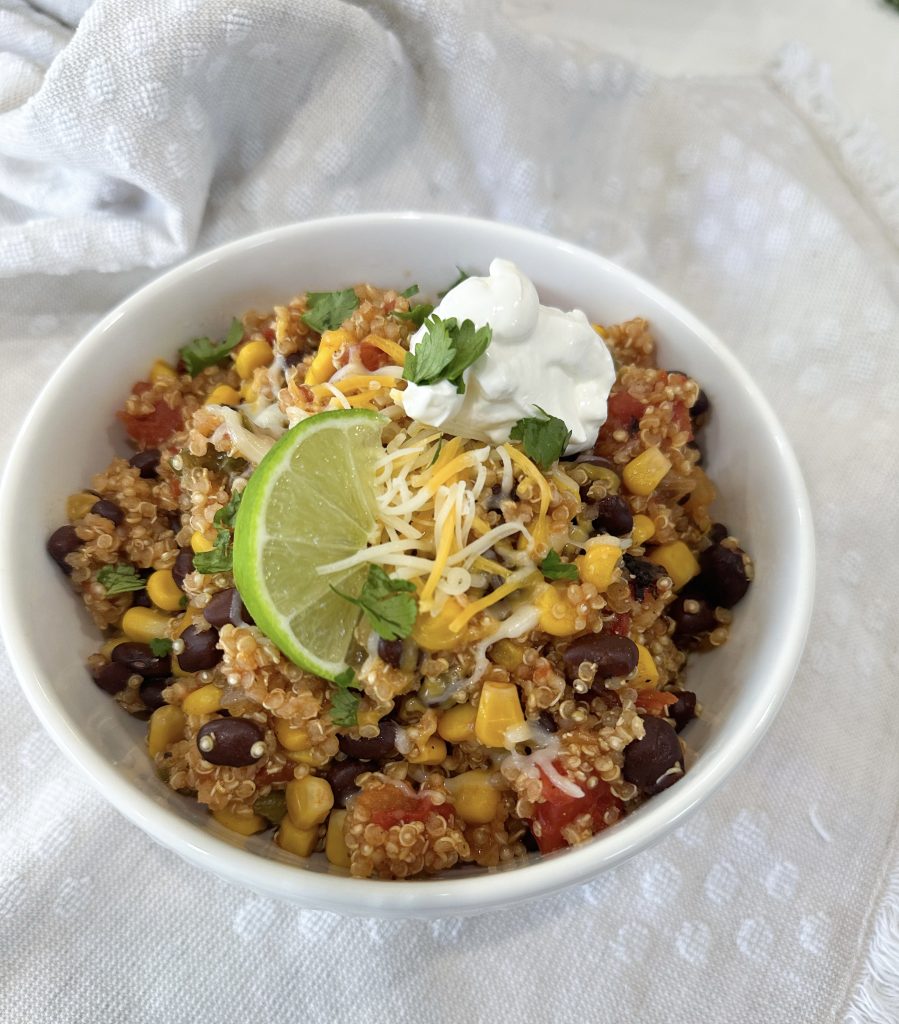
(598, 578)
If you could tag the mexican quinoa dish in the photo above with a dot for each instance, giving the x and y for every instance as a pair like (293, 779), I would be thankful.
(409, 586)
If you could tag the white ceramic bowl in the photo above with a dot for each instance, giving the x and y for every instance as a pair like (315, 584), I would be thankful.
(71, 433)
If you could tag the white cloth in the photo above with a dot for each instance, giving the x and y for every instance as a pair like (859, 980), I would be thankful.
(153, 127)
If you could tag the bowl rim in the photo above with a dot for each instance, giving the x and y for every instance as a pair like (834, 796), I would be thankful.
(442, 895)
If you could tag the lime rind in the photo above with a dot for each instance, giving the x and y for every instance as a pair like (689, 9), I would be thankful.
(310, 502)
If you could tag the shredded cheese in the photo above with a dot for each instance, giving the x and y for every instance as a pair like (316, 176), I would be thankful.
(516, 581)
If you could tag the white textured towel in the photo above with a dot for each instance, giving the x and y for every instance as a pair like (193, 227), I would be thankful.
(135, 130)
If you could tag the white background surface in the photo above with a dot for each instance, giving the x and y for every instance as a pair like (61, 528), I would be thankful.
(858, 39)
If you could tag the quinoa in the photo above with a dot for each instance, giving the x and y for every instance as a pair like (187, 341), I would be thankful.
(412, 785)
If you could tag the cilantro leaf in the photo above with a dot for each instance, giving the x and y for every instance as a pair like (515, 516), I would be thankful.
(344, 703)
(553, 568)
(410, 291)
(226, 515)
(160, 646)
(388, 603)
(446, 351)
(120, 579)
(544, 438)
(203, 352)
(219, 558)
(416, 315)
(433, 353)
(328, 310)
(463, 276)
(437, 452)
(470, 345)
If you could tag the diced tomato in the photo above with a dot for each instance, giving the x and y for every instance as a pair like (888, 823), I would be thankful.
(619, 624)
(156, 427)
(560, 809)
(681, 417)
(624, 414)
(372, 358)
(391, 805)
(655, 702)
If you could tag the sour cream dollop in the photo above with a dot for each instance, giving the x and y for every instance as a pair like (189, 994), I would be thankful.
(538, 356)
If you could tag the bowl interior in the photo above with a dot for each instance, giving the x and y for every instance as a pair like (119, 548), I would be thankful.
(72, 433)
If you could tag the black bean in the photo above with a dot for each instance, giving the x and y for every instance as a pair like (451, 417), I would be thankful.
(375, 748)
(184, 564)
(109, 510)
(141, 660)
(696, 448)
(529, 842)
(141, 599)
(546, 722)
(112, 677)
(200, 649)
(232, 741)
(390, 651)
(294, 359)
(226, 607)
(151, 692)
(63, 542)
(723, 576)
(718, 532)
(688, 625)
(613, 516)
(341, 776)
(147, 462)
(684, 710)
(610, 655)
(644, 574)
(647, 761)
(701, 406)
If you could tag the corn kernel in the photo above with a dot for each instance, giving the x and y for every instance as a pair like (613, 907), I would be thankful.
(644, 473)
(78, 505)
(600, 330)
(301, 841)
(558, 616)
(433, 752)
(310, 758)
(163, 591)
(644, 528)
(291, 737)
(245, 824)
(204, 701)
(335, 845)
(703, 494)
(309, 801)
(199, 543)
(166, 727)
(252, 355)
(646, 673)
(457, 724)
(597, 565)
(677, 560)
(144, 624)
(224, 394)
(507, 654)
(161, 370)
(249, 392)
(432, 632)
(474, 798)
(499, 709)
(322, 366)
(110, 645)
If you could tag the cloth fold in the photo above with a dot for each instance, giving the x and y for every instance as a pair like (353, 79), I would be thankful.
(132, 132)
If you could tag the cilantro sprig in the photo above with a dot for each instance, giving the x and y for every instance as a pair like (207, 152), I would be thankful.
(160, 646)
(389, 604)
(410, 291)
(544, 438)
(120, 579)
(345, 703)
(203, 352)
(553, 568)
(446, 351)
(328, 310)
(416, 315)
(220, 558)
(463, 276)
